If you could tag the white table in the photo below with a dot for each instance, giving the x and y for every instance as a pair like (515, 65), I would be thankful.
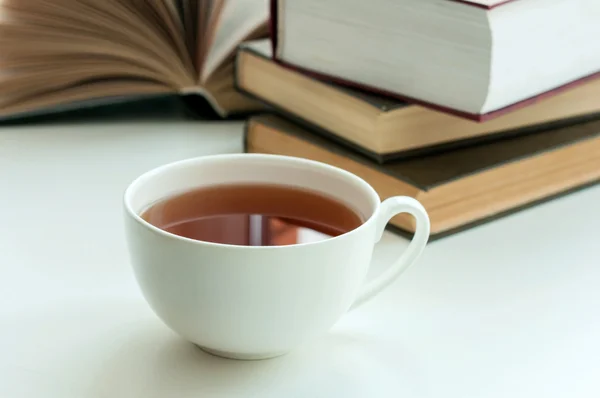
(510, 309)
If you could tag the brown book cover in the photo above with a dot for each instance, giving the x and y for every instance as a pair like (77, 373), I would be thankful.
(460, 188)
(480, 117)
(391, 129)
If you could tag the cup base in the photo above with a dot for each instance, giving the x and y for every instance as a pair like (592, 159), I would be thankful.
(241, 356)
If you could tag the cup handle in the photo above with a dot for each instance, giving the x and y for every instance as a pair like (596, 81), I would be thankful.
(389, 208)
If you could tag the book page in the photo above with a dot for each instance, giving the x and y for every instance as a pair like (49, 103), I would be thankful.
(93, 47)
(67, 32)
(167, 20)
(209, 16)
(238, 20)
(188, 12)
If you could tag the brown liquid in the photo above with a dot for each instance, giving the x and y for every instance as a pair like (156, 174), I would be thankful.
(253, 215)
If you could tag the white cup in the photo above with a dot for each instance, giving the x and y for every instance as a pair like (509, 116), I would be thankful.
(248, 302)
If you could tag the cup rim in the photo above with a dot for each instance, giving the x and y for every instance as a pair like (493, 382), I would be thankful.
(129, 191)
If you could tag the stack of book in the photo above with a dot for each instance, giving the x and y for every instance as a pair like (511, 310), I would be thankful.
(475, 108)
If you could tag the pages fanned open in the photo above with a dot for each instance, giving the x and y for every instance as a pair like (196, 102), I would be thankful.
(59, 52)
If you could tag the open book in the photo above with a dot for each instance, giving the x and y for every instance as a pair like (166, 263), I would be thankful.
(59, 52)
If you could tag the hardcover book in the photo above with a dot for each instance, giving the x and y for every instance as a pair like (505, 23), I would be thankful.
(478, 59)
(384, 128)
(460, 188)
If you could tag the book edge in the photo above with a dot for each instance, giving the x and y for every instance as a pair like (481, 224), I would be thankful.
(245, 47)
(482, 221)
(519, 158)
(383, 159)
(478, 117)
(340, 150)
(467, 226)
(334, 148)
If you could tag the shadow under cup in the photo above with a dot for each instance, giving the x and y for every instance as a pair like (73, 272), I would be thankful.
(249, 302)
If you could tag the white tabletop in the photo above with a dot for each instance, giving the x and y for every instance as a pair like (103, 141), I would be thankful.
(509, 309)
